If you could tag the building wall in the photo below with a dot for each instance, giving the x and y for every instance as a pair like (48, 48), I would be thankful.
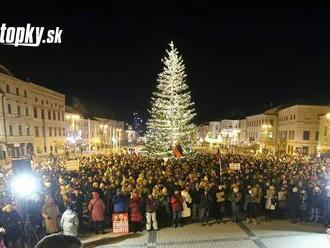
(19, 99)
(298, 128)
(242, 131)
(261, 129)
(324, 134)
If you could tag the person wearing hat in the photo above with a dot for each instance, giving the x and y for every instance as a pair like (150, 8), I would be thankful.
(250, 205)
(96, 207)
(120, 202)
(10, 221)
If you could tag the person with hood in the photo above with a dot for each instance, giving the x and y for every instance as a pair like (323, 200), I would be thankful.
(10, 221)
(96, 207)
(177, 207)
(50, 212)
(120, 202)
(135, 205)
(70, 222)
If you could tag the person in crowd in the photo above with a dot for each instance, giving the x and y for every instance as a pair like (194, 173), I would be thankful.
(186, 212)
(164, 209)
(196, 199)
(10, 221)
(177, 207)
(120, 202)
(303, 205)
(151, 207)
(282, 203)
(316, 204)
(235, 198)
(135, 206)
(204, 206)
(70, 222)
(220, 201)
(294, 201)
(250, 205)
(51, 214)
(96, 207)
(326, 207)
(271, 202)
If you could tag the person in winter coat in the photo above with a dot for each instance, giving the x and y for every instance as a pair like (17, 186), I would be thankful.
(250, 205)
(120, 202)
(204, 206)
(164, 209)
(282, 203)
(135, 205)
(196, 198)
(326, 207)
(151, 207)
(293, 202)
(10, 220)
(316, 204)
(50, 212)
(96, 207)
(70, 222)
(177, 207)
(221, 203)
(270, 204)
(235, 199)
(186, 212)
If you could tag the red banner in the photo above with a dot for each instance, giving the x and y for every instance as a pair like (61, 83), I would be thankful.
(120, 223)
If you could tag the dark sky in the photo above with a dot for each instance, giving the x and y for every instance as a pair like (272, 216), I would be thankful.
(238, 60)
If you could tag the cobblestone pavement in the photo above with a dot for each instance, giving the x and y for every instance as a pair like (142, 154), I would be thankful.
(273, 234)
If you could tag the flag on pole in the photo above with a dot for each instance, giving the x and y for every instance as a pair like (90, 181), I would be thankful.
(177, 151)
(218, 160)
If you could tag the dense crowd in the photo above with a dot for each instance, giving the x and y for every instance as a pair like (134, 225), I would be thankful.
(160, 193)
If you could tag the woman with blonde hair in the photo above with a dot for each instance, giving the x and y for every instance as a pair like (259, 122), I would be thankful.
(51, 214)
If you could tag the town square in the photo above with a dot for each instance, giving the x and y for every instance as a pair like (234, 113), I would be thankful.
(164, 126)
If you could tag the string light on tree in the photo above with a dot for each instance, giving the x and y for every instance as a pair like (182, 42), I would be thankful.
(172, 110)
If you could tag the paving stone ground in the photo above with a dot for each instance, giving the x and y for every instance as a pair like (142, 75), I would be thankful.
(272, 234)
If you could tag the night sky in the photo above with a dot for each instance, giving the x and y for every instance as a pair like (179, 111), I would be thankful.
(238, 61)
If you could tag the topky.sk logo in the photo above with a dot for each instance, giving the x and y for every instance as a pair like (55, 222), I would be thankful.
(29, 36)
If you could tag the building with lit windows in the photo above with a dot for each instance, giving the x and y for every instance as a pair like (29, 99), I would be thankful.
(31, 120)
(261, 130)
(299, 128)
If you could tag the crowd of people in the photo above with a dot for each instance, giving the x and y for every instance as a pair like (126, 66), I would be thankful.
(159, 193)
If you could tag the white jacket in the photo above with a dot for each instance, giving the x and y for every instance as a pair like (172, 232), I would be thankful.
(70, 223)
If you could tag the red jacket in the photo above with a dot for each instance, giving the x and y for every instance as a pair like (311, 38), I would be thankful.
(97, 207)
(135, 206)
(176, 202)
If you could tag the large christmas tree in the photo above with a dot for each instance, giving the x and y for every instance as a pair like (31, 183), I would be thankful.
(172, 110)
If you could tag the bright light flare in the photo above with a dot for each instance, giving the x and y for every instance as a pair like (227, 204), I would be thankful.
(24, 185)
